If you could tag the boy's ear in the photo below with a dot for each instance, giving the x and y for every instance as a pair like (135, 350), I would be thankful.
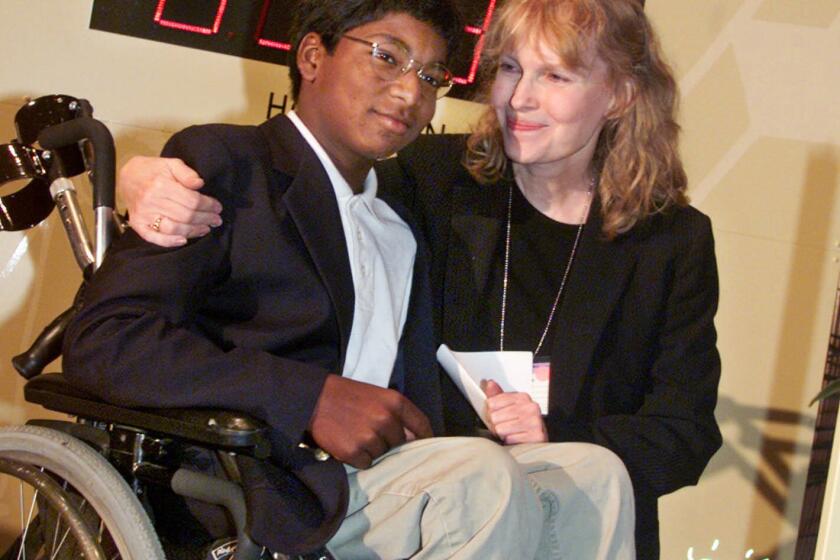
(310, 53)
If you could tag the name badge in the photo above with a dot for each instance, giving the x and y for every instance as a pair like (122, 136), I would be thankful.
(540, 378)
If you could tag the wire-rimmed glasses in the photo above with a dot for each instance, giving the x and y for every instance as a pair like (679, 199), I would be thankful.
(391, 60)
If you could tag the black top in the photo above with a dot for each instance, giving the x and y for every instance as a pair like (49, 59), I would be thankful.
(539, 252)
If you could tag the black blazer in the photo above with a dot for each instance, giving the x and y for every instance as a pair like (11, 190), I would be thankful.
(634, 366)
(251, 317)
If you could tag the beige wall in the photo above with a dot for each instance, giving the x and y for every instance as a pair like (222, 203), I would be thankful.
(760, 80)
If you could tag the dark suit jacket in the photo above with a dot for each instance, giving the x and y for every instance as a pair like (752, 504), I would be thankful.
(252, 317)
(634, 366)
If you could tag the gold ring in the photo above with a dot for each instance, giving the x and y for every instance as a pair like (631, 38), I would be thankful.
(156, 224)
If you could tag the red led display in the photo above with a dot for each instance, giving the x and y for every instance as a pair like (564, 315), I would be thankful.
(475, 34)
(189, 26)
(258, 29)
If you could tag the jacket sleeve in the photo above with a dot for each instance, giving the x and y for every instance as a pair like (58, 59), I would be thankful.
(138, 340)
(668, 441)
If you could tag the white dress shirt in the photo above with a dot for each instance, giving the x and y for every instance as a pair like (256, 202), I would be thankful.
(381, 250)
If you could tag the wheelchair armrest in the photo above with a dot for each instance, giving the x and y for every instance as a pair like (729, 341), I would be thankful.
(224, 429)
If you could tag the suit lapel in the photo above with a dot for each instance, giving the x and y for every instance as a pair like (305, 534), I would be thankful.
(311, 203)
(598, 277)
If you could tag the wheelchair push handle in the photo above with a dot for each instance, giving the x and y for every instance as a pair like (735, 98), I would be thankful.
(63, 191)
(76, 130)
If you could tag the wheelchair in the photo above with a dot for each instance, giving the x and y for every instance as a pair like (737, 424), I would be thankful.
(84, 484)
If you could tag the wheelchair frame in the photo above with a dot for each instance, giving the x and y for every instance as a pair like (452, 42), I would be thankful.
(109, 455)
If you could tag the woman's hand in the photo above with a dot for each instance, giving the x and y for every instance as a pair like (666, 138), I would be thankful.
(163, 204)
(514, 417)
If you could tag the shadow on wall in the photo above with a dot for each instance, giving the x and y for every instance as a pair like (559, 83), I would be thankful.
(773, 478)
(776, 452)
(804, 291)
(773, 431)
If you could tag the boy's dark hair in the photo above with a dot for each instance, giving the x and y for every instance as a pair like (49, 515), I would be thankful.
(333, 18)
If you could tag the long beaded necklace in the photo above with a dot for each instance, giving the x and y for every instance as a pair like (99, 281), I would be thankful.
(583, 219)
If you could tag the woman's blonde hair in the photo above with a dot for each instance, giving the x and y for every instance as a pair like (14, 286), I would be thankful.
(637, 156)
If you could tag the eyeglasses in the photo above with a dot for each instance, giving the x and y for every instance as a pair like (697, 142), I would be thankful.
(392, 60)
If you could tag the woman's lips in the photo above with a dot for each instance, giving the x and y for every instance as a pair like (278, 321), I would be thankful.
(516, 125)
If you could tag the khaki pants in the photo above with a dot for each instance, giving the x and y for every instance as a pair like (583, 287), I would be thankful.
(472, 498)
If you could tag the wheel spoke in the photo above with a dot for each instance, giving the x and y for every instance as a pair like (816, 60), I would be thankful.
(102, 531)
(57, 550)
(25, 526)
(55, 534)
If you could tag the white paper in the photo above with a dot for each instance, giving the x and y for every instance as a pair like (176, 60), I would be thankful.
(513, 371)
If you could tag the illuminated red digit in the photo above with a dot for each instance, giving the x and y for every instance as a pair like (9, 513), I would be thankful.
(479, 45)
(278, 15)
(212, 29)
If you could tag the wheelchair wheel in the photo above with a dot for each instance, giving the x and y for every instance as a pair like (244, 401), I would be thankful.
(71, 502)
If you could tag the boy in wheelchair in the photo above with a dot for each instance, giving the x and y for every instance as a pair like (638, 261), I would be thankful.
(309, 309)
